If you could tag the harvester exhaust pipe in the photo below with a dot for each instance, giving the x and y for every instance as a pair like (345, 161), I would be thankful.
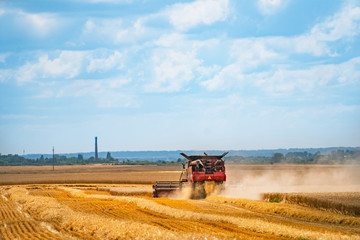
(185, 156)
(224, 154)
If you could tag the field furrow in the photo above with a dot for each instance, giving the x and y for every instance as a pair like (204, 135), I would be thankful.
(9, 213)
(4, 232)
(16, 231)
(29, 232)
(69, 233)
(16, 224)
(32, 231)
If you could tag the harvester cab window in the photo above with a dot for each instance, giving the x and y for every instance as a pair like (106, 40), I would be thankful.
(198, 168)
(201, 168)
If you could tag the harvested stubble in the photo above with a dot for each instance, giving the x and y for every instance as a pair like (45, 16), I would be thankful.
(17, 224)
(247, 224)
(68, 212)
(345, 203)
(290, 211)
(86, 225)
(128, 190)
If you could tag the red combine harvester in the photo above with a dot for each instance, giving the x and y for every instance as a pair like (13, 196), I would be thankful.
(203, 174)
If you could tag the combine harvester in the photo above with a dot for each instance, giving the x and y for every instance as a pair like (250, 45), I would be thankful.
(203, 175)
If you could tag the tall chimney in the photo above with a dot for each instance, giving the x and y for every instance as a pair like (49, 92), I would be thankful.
(96, 150)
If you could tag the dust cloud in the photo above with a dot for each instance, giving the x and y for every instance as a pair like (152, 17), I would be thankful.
(251, 181)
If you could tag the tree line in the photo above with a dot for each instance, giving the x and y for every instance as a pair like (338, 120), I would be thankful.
(16, 160)
(339, 156)
(334, 157)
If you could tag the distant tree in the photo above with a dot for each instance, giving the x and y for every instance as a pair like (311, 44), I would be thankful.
(90, 160)
(277, 157)
(337, 155)
(108, 156)
(71, 160)
(80, 157)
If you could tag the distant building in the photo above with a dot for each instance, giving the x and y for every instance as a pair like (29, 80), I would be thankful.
(96, 150)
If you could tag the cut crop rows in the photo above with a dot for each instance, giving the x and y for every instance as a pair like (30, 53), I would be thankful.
(65, 212)
(15, 224)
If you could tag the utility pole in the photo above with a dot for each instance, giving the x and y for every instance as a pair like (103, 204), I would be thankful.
(53, 158)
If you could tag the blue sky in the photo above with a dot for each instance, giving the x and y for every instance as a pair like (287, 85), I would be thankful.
(168, 75)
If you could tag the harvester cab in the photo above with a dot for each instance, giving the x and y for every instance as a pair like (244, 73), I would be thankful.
(203, 174)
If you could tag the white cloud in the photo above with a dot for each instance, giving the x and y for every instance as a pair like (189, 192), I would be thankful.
(188, 15)
(183, 16)
(5, 74)
(269, 7)
(92, 87)
(105, 64)
(47, 93)
(42, 23)
(249, 55)
(180, 42)
(115, 30)
(255, 56)
(67, 65)
(342, 25)
(225, 78)
(171, 40)
(104, 29)
(107, 93)
(285, 81)
(38, 25)
(171, 70)
(206, 72)
(177, 62)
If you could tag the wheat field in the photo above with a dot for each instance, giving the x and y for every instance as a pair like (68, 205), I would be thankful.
(114, 202)
(92, 212)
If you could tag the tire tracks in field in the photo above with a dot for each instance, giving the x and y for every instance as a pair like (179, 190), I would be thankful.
(16, 224)
(91, 225)
(250, 225)
(121, 210)
(228, 209)
(327, 226)
(177, 225)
